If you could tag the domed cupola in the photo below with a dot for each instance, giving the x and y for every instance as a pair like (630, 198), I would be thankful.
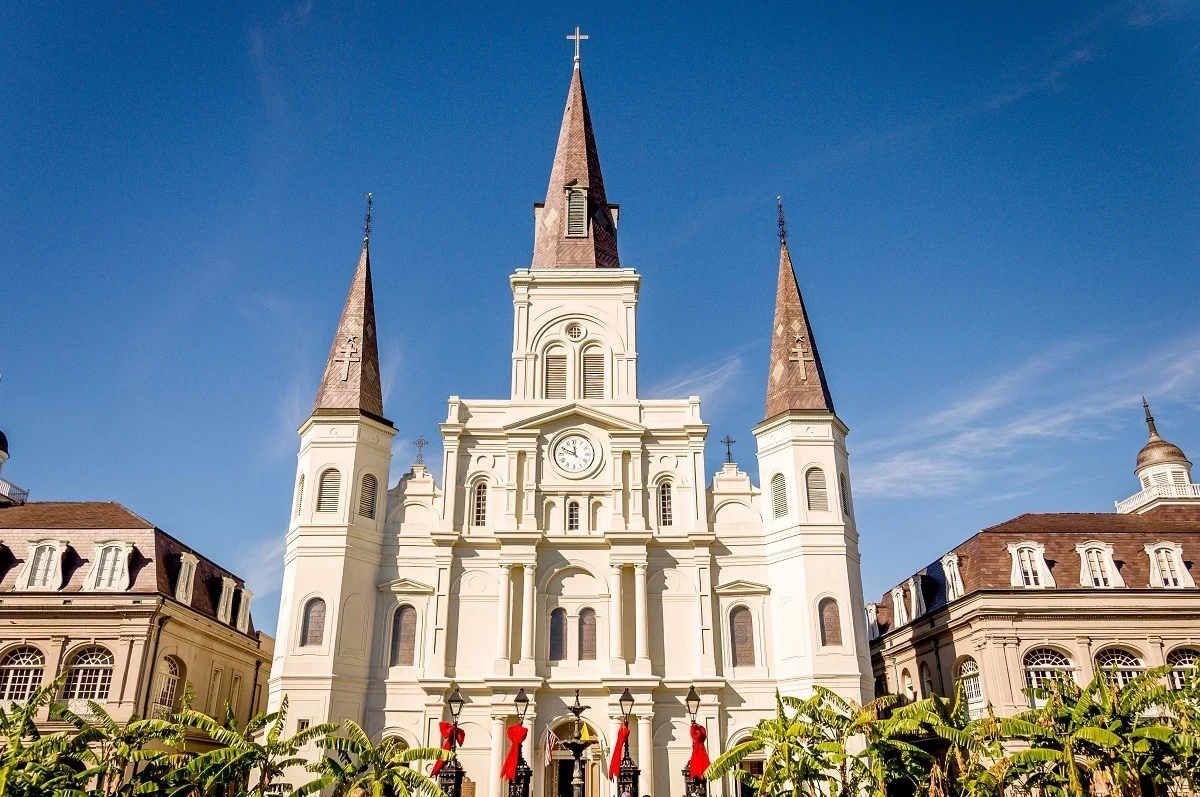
(3, 449)
(1160, 462)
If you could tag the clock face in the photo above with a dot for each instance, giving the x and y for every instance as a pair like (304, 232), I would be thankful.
(574, 453)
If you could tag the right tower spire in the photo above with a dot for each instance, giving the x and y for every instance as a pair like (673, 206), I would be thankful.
(796, 380)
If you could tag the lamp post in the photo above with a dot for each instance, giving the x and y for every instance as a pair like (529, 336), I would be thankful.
(693, 787)
(577, 744)
(519, 785)
(451, 776)
(629, 773)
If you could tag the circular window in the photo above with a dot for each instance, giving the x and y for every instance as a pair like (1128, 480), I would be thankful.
(574, 331)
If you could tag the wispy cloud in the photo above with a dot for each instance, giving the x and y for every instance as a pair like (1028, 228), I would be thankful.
(260, 563)
(708, 380)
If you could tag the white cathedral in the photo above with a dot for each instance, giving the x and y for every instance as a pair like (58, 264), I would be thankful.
(573, 543)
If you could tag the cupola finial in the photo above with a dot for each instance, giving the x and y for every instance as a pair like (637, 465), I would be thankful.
(782, 223)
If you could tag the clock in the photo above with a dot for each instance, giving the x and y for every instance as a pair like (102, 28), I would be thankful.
(574, 453)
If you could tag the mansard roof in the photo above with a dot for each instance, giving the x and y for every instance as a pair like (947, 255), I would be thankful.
(796, 379)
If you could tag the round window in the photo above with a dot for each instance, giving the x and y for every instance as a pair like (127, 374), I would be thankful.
(574, 331)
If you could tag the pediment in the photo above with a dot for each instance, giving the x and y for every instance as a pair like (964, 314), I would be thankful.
(577, 410)
(742, 587)
(406, 586)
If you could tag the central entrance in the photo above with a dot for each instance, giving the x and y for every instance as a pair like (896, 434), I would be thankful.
(561, 769)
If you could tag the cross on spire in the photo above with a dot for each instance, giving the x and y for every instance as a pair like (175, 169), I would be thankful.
(728, 443)
(782, 223)
(577, 37)
(348, 355)
(367, 218)
(420, 443)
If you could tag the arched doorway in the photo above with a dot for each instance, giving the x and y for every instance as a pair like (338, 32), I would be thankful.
(560, 771)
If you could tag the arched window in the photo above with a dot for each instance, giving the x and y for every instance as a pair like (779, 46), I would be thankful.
(666, 515)
(818, 493)
(844, 492)
(558, 634)
(328, 489)
(972, 687)
(1029, 565)
(1183, 666)
(479, 507)
(312, 630)
(831, 622)
(89, 675)
(299, 494)
(587, 635)
(576, 212)
(167, 688)
(404, 637)
(593, 374)
(1119, 664)
(42, 569)
(572, 516)
(555, 386)
(910, 691)
(110, 567)
(741, 637)
(366, 496)
(778, 496)
(20, 673)
(926, 680)
(1043, 665)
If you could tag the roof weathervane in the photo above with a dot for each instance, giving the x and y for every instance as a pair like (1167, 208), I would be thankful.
(1149, 418)
(577, 37)
(367, 218)
(782, 223)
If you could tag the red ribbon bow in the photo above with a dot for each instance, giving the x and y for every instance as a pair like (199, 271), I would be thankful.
(516, 737)
(614, 768)
(446, 728)
(699, 763)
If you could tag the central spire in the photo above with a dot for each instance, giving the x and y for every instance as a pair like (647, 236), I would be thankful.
(575, 227)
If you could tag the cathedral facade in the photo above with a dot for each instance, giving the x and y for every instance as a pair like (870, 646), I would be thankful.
(574, 541)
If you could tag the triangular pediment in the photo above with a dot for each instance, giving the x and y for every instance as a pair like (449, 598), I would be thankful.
(742, 587)
(578, 410)
(407, 586)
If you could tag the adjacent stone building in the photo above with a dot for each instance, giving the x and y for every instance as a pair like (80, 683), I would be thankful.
(1046, 594)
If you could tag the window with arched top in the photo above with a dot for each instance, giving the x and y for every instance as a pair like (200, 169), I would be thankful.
(555, 374)
(593, 374)
(741, 637)
(779, 502)
(1119, 664)
(666, 514)
(404, 637)
(926, 680)
(558, 634)
(329, 488)
(299, 494)
(844, 492)
(1182, 662)
(587, 635)
(312, 628)
(166, 689)
(572, 516)
(110, 567)
(367, 493)
(816, 490)
(479, 505)
(910, 691)
(41, 572)
(971, 685)
(1043, 665)
(20, 673)
(89, 675)
(831, 622)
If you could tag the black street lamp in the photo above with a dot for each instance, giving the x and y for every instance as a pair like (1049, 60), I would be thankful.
(629, 774)
(698, 786)
(519, 785)
(451, 775)
(577, 744)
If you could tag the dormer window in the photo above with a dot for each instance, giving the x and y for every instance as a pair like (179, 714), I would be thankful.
(186, 577)
(225, 603)
(916, 597)
(43, 565)
(243, 615)
(954, 582)
(1096, 566)
(110, 567)
(1029, 569)
(1167, 569)
(899, 611)
(577, 212)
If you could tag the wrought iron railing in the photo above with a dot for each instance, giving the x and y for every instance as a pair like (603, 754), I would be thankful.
(12, 493)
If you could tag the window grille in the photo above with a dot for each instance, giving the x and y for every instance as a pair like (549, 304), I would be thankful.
(556, 376)
(972, 686)
(1028, 560)
(593, 376)
(1120, 664)
(741, 637)
(574, 331)
(43, 564)
(577, 212)
(327, 491)
(21, 673)
(366, 496)
(587, 635)
(818, 493)
(666, 516)
(312, 631)
(110, 567)
(558, 634)
(831, 622)
(845, 493)
(404, 637)
(1167, 571)
(168, 684)
(573, 516)
(89, 676)
(1043, 665)
(1183, 666)
(479, 510)
(779, 503)
(1097, 567)
(300, 495)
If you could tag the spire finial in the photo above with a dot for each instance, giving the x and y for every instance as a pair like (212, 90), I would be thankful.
(728, 442)
(577, 37)
(420, 443)
(367, 219)
(782, 223)
(1149, 419)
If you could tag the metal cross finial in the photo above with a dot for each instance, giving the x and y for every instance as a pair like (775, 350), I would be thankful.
(367, 219)
(782, 223)
(420, 443)
(728, 442)
(578, 37)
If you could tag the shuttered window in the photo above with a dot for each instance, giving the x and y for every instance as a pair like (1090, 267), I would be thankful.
(312, 631)
(741, 637)
(327, 491)
(818, 493)
(558, 635)
(778, 496)
(593, 376)
(831, 622)
(556, 376)
(587, 635)
(366, 496)
(404, 637)
(666, 515)
(300, 495)
(577, 212)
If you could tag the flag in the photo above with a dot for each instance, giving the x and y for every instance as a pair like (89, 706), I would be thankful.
(583, 734)
(551, 743)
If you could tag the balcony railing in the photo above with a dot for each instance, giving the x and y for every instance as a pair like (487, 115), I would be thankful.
(1135, 502)
(12, 493)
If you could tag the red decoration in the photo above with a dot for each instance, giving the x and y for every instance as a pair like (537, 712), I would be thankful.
(516, 737)
(699, 763)
(446, 728)
(614, 768)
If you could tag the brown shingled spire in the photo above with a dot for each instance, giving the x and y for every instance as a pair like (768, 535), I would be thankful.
(576, 169)
(351, 380)
(796, 380)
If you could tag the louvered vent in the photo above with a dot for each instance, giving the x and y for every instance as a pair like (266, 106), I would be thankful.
(366, 496)
(593, 376)
(300, 495)
(778, 496)
(577, 213)
(327, 491)
(556, 376)
(818, 493)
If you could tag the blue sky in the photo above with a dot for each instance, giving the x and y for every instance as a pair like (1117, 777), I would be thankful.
(994, 211)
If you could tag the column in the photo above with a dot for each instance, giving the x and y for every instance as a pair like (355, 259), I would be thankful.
(497, 760)
(645, 756)
(616, 622)
(642, 621)
(527, 599)
(503, 612)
